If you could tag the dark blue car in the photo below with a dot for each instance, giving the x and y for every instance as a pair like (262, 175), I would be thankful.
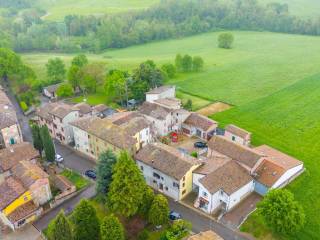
(91, 174)
(174, 216)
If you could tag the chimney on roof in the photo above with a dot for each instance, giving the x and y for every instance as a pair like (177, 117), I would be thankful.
(11, 150)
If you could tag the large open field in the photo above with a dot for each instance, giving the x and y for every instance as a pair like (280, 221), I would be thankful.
(259, 64)
(57, 9)
(289, 120)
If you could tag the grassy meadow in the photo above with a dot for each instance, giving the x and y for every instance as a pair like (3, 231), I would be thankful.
(58, 9)
(289, 120)
(259, 64)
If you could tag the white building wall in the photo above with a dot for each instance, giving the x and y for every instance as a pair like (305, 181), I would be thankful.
(237, 196)
(81, 141)
(145, 136)
(170, 93)
(166, 181)
(67, 127)
(12, 132)
(287, 175)
(235, 138)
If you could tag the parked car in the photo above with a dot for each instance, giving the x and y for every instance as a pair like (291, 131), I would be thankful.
(200, 145)
(174, 215)
(91, 174)
(59, 158)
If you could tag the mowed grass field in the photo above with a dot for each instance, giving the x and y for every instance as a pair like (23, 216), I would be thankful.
(259, 64)
(58, 9)
(289, 120)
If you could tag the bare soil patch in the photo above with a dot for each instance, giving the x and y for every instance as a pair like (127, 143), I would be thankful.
(214, 108)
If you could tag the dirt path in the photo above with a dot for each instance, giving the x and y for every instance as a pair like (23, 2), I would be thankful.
(214, 108)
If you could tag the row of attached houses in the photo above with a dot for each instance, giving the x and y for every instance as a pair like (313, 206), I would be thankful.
(24, 186)
(122, 131)
(224, 178)
(10, 132)
(57, 116)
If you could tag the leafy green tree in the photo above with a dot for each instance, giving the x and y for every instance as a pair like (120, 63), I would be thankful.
(105, 164)
(65, 90)
(169, 69)
(48, 145)
(159, 210)
(23, 106)
(281, 212)
(80, 60)
(86, 224)
(92, 75)
(225, 40)
(111, 229)
(36, 137)
(127, 187)
(197, 63)
(186, 63)
(74, 76)
(178, 62)
(60, 228)
(56, 70)
(144, 235)
(10, 63)
(116, 86)
(147, 201)
(188, 105)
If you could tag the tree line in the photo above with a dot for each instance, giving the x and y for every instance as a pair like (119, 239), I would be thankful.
(169, 19)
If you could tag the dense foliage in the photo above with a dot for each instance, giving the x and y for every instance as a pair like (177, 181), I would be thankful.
(48, 145)
(225, 40)
(127, 187)
(159, 210)
(169, 19)
(104, 171)
(281, 212)
(60, 228)
(112, 229)
(86, 224)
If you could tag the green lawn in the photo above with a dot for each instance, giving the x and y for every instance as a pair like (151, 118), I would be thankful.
(74, 177)
(58, 9)
(289, 120)
(261, 63)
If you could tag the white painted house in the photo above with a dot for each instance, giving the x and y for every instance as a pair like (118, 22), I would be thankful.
(276, 171)
(161, 93)
(237, 135)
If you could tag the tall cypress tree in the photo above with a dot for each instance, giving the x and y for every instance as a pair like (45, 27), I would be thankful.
(104, 170)
(48, 145)
(37, 142)
(85, 221)
(59, 228)
(159, 210)
(127, 187)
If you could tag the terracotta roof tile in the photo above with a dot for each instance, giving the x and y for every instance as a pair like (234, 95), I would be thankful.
(208, 235)
(230, 178)
(84, 108)
(159, 90)
(268, 173)
(243, 154)
(237, 131)
(200, 121)
(10, 190)
(166, 159)
(9, 157)
(22, 212)
(8, 115)
(154, 110)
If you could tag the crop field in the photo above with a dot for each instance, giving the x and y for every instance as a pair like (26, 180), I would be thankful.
(288, 120)
(58, 9)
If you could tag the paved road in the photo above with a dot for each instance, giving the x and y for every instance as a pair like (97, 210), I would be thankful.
(43, 222)
(202, 223)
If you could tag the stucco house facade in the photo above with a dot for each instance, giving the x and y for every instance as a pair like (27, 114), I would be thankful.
(166, 169)
(200, 126)
(10, 132)
(237, 135)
